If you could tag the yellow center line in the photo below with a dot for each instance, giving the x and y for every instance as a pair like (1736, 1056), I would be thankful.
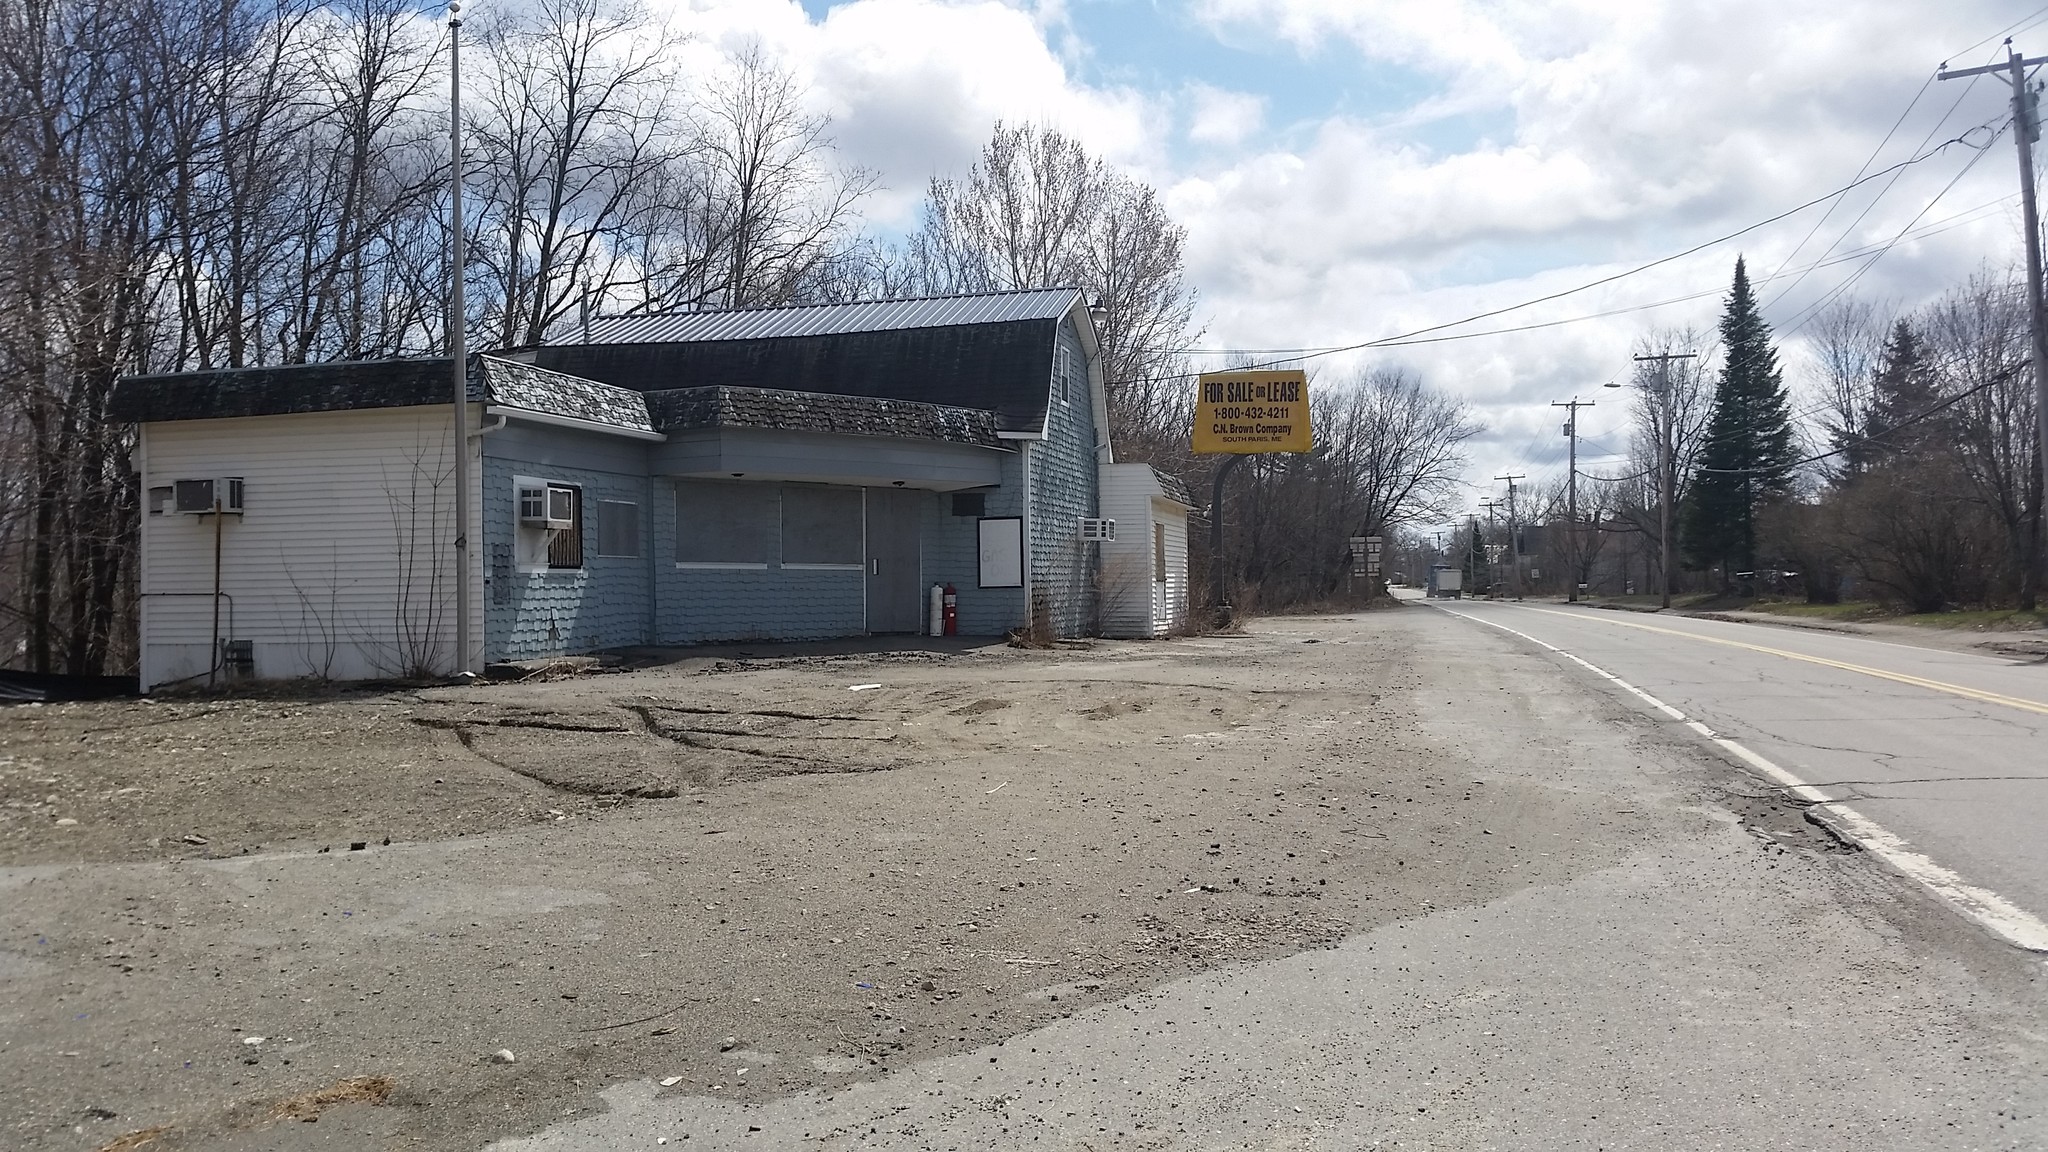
(1898, 677)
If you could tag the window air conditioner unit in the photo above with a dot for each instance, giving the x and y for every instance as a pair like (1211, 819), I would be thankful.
(199, 496)
(1094, 529)
(547, 506)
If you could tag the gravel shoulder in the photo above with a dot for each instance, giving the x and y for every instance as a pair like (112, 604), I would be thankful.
(743, 880)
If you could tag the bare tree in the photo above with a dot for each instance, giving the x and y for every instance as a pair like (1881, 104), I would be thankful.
(577, 109)
(1846, 341)
(1978, 335)
(1037, 211)
(1390, 451)
(781, 212)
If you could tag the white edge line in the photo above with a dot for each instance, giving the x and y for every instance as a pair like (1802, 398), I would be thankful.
(1988, 909)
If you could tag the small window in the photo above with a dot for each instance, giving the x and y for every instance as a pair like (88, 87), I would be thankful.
(565, 545)
(1158, 552)
(159, 497)
(618, 528)
(1063, 372)
(970, 503)
(533, 503)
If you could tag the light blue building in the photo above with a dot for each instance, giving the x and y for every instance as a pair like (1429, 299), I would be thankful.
(771, 474)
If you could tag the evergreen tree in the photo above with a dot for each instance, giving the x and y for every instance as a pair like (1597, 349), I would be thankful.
(1901, 393)
(1747, 458)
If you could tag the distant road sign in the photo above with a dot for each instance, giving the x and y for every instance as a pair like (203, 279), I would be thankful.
(1247, 411)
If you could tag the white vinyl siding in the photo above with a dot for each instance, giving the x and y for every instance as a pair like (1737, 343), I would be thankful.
(1144, 570)
(342, 562)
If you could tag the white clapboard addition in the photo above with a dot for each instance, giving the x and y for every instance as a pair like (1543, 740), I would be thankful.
(340, 563)
(1144, 570)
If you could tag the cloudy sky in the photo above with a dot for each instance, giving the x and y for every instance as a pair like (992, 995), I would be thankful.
(1351, 170)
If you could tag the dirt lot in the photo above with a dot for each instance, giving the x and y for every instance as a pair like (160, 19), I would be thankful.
(742, 873)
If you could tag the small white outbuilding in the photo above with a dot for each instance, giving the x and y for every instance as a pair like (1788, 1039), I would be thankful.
(1144, 569)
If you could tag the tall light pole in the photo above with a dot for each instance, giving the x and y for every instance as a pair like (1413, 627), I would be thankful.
(2026, 131)
(458, 352)
(1660, 423)
(1571, 539)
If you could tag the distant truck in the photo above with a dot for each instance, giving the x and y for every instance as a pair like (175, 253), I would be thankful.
(1446, 583)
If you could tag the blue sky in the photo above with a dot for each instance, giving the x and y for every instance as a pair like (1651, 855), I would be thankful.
(1351, 169)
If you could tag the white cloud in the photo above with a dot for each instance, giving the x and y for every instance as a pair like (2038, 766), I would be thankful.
(914, 87)
(1221, 118)
(1614, 131)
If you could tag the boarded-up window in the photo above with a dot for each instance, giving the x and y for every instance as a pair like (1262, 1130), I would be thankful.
(727, 522)
(618, 528)
(1002, 551)
(565, 545)
(821, 525)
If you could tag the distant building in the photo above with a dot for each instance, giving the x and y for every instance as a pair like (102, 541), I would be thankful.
(767, 474)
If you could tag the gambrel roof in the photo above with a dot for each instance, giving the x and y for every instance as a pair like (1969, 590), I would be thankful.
(897, 364)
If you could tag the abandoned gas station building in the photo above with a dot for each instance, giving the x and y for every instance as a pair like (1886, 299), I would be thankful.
(768, 474)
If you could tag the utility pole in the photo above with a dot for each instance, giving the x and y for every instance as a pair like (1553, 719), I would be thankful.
(1660, 423)
(1571, 499)
(1490, 506)
(2026, 131)
(458, 353)
(1514, 536)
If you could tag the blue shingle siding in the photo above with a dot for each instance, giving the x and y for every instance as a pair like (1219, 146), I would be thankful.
(1063, 485)
(560, 612)
(699, 605)
(703, 605)
(952, 555)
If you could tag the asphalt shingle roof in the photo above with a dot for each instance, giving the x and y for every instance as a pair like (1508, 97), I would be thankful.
(517, 385)
(1174, 489)
(286, 389)
(686, 408)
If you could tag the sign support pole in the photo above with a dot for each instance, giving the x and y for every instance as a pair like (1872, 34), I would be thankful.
(1219, 583)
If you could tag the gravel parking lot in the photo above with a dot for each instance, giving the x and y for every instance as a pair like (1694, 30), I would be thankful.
(748, 875)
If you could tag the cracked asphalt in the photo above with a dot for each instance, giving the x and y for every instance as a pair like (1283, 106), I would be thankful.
(1948, 749)
(1388, 879)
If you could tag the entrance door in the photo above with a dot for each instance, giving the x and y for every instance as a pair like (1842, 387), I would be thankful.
(895, 583)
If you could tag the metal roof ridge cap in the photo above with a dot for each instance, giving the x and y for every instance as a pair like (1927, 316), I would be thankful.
(829, 304)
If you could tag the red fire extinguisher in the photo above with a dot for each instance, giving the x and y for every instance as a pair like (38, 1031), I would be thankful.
(952, 611)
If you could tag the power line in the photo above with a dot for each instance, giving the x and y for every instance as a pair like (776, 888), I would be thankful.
(2009, 30)
(1814, 309)
(1874, 153)
(1604, 280)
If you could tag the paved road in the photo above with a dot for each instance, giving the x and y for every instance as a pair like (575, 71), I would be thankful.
(1948, 751)
(1723, 981)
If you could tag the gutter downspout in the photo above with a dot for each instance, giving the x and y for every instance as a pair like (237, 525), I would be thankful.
(483, 532)
(1030, 550)
(142, 536)
(652, 630)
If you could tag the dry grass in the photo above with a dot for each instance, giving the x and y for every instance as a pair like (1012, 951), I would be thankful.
(307, 1106)
(134, 1140)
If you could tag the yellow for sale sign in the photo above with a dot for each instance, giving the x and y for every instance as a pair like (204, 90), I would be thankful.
(1253, 412)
